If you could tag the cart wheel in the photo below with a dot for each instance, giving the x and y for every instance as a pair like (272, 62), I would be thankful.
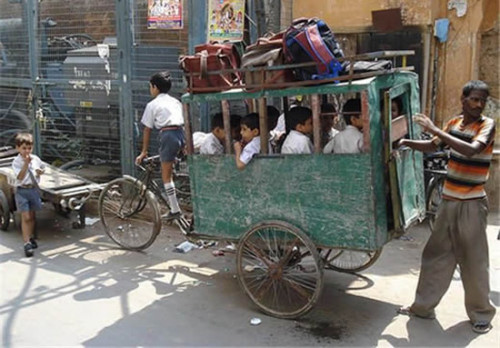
(279, 269)
(351, 261)
(130, 214)
(4, 212)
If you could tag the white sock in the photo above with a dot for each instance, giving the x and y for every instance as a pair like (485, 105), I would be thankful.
(172, 198)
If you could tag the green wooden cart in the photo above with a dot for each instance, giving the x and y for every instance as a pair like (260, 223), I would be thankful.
(291, 216)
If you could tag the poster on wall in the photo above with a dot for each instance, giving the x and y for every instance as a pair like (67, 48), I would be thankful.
(164, 14)
(226, 20)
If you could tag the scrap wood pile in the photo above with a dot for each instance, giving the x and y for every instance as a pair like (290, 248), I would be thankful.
(305, 54)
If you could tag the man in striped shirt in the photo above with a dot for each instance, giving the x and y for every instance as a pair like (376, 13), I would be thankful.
(459, 235)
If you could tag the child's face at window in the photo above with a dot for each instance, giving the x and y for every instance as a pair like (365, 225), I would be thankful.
(24, 150)
(248, 134)
(236, 133)
(394, 109)
(326, 121)
(357, 122)
(219, 134)
(307, 127)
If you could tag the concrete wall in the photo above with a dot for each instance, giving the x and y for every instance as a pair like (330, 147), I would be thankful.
(356, 14)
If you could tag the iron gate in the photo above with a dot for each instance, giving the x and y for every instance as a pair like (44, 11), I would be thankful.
(75, 73)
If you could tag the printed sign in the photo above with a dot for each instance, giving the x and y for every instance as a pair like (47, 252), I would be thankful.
(164, 14)
(226, 19)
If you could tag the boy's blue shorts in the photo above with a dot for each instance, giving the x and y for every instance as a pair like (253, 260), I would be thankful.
(28, 199)
(171, 142)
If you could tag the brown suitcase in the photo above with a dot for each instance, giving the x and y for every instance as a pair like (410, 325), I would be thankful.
(212, 57)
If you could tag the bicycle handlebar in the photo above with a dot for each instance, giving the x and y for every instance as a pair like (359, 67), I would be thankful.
(151, 159)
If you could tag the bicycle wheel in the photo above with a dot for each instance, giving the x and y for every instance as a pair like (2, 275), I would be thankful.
(352, 261)
(129, 213)
(183, 191)
(434, 197)
(279, 269)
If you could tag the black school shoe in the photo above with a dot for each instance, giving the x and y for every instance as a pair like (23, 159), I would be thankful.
(33, 242)
(28, 249)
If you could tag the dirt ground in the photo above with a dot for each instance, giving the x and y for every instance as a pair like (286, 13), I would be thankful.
(80, 289)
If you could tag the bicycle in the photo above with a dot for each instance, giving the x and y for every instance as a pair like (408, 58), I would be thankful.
(435, 175)
(131, 209)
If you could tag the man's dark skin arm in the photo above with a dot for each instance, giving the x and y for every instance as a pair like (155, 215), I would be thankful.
(465, 148)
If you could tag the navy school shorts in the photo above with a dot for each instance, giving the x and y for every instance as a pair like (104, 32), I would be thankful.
(27, 199)
(171, 142)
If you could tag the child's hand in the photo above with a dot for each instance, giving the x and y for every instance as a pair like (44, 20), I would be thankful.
(27, 159)
(39, 172)
(237, 146)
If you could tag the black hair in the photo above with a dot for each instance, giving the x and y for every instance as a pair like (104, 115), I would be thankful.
(352, 108)
(161, 80)
(251, 121)
(235, 121)
(297, 115)
(272, 116)
(217, 121)
(475, 85)
(327, 108)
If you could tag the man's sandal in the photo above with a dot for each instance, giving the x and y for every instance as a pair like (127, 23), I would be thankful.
(408, 312)
(481, 327)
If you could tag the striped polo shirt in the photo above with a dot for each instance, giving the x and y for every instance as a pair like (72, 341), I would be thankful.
(467, 175)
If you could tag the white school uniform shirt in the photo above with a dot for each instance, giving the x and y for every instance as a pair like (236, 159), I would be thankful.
(332, 133)
(251, 149)
(198, 139)
(211, 146)
(163, 111)
(296, 143)
(350, 140)
(17, 166)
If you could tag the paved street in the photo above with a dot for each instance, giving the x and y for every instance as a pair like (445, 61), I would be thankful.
(81, 290)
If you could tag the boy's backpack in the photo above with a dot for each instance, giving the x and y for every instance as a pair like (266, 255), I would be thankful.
(311, 40)
(208, 58)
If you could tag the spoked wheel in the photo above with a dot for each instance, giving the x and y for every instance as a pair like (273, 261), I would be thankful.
(4, 212)
(434, 197)
(183, 191)
(130, 213)
(351, 261)
(279, 269)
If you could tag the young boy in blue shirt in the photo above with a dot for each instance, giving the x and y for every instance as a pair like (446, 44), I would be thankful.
(250, 140)
(27, 169)
(164, 113)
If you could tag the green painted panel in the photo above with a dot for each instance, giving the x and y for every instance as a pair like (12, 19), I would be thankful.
(330, 197)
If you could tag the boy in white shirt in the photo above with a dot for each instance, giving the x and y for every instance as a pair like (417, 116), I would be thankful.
(213, 144)
(164, 113)
(327, 118)
(350, 140)
(250, 141)
(299, 122)
(27, 169)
